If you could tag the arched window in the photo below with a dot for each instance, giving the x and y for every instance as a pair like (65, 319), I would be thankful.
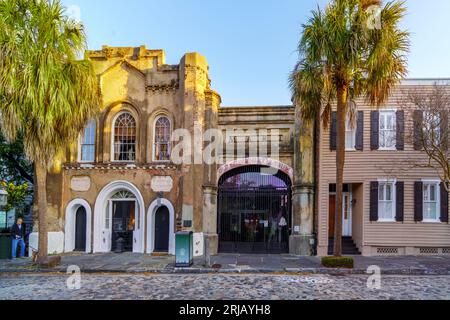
(87, 143)
(125, 138)
(162, 139)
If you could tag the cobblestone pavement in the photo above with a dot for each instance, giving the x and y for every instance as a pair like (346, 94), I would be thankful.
(222, 287)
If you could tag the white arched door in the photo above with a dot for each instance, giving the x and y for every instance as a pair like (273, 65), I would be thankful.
(109, 200)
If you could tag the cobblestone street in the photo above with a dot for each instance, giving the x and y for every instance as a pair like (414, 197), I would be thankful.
(222, 287)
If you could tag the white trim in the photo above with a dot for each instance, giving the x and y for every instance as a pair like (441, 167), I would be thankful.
(437, 183)
(113, 126)
(393, 182)
(151, 225)
(159, 116)
(387, 111)
(102, 236)
(349, 223)
(69, 225)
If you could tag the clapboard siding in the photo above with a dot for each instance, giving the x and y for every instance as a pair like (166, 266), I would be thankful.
(366, 166)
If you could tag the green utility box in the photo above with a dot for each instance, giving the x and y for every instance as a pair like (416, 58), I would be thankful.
(184, 249)
(5, 246)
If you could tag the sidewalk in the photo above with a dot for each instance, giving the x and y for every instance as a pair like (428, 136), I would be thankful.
(233, 263)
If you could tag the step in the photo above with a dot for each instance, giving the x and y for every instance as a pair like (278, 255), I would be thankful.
(348, 246)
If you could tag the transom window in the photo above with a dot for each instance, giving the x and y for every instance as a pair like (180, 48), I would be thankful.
(350, 134)
(124, 138)
(87, 143)
(386, 201)
(162, 139)
(431, 201)
(388, 130)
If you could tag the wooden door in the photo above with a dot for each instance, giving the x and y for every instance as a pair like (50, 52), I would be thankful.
(331, 214)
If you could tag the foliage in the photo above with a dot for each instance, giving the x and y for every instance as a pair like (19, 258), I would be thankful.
(14, 166)
(45, 90)
(16, 194)
(431, 132)
(344, 54)
(338, 262)
(338, 48)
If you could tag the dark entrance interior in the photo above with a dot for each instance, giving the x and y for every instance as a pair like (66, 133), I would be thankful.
(123, 219)
(80, 229)
(162, 230)
(254, 211)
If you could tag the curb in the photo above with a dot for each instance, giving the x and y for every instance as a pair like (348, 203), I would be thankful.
(194, 270)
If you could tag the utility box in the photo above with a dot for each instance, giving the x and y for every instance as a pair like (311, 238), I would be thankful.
(5, 246)
(184, 249)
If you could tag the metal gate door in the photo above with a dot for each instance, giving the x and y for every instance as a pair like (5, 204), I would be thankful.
(254, 212)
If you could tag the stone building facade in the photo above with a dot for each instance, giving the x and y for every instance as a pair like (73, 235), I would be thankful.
(120, 190)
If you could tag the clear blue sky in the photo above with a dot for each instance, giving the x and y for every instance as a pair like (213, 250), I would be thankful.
(250, 44)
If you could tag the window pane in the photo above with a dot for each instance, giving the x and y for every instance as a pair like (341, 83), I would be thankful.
(426, 193)
(88, 143)
(388, 192)
(162, 139)
(381, 192)
(432, 193)
(125, 138)
(430, 211)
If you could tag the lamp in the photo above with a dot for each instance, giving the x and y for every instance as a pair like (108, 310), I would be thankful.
(3, 198)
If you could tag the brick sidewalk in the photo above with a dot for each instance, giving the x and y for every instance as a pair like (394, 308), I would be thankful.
(235, 263)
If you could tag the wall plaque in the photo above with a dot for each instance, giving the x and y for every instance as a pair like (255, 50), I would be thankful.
(162, 184)
(80, 184)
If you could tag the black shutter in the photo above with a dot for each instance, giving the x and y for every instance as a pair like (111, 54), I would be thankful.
(418, 201)
(374, 201)
(333, 131)
(399, 201)
(418, 129)
(400, 130)
(360, 131)
(444, 203)
(374, 130)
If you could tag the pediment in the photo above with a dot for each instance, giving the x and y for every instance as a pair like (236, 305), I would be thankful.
(123, 63)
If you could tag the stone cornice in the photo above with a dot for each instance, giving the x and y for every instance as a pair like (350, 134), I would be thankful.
(119, 167)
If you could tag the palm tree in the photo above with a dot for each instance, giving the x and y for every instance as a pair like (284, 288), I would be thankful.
(45, 91)
(343, 55)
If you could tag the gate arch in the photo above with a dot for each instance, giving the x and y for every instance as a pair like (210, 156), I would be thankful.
(254, 210)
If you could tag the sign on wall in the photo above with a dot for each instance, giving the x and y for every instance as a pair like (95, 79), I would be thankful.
(162, 184)
(80, 184)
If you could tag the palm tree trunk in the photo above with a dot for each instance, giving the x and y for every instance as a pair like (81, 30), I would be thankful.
(41, 177)
(340, 161)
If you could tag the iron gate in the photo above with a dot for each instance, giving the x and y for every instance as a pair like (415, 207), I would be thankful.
(254, 211)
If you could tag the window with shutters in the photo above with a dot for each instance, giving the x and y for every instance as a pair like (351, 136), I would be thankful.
(431, 201)
(162, 133)
(87, 143)
(124, 134)
(388, 130)
(350, 135)
(386, 201)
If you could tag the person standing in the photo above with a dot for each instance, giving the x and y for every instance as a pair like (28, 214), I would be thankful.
(18, 236)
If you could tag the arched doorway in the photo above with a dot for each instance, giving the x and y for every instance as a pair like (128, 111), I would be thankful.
(161, 227)
(162, 224)
(119, 215)
(77, 226)
(80, 229)
(254, 210)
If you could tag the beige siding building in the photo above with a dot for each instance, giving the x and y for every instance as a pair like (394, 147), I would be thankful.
(381, 175)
